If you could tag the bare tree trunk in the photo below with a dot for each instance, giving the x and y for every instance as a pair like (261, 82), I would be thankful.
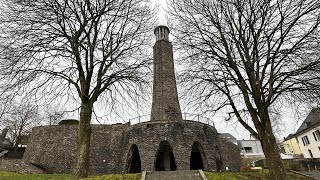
(81, 169)
(271, 152)
(3, 134)
(18, 139)
(16, 144)
(89, 43)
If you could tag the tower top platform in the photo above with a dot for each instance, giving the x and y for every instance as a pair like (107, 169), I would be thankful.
(162, 33)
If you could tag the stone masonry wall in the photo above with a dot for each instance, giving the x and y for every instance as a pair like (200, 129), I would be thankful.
(180, 136)
(232, 159)
(165, 103)
(54, 147)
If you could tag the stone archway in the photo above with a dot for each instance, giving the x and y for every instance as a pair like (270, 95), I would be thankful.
(196, 157)
(219, 163)
(133, 160)
(165, 160)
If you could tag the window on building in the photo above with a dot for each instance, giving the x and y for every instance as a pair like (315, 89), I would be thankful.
(319, 148)
(305, 140)
(248, 149)
(310, 152)
(316, 135)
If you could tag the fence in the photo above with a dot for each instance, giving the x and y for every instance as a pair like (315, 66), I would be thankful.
(185, 116)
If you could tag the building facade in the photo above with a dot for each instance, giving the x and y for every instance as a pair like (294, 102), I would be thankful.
(250, 149)
(291, 146)
(308, 135)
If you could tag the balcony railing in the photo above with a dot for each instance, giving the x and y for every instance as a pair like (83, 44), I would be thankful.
(185, 117)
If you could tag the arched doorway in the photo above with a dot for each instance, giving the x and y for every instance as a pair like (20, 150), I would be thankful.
(134, 162)
(196, 159)
(218, 158)
(165, 160)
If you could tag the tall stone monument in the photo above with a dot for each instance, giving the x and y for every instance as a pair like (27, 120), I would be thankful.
(166, 143)
(165, 102)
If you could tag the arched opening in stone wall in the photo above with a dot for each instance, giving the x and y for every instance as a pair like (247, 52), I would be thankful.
(165, 160)
(133, 160)
(196, 159)
(219, 163)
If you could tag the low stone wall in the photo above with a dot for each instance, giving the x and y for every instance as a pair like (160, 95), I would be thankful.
(230, 154)
(17, 165)
(302, 164)
(53, 147)
(310, 164)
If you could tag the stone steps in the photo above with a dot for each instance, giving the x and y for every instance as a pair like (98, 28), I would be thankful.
(174, 175)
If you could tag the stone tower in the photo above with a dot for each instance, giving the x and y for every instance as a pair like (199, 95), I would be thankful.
(165, 102)
(166, 143)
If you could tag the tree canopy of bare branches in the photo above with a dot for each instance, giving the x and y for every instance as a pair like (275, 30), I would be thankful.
(89, 50)
(247, 56)
(20, 120)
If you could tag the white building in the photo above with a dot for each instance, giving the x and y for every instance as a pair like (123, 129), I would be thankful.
(308, 135)
(250, 148)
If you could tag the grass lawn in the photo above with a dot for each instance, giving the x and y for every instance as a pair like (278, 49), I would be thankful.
(244, 175)
(247, 175)
(117, 177)
(4, 175)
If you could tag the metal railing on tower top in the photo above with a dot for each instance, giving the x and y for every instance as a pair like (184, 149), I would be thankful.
(185, 117)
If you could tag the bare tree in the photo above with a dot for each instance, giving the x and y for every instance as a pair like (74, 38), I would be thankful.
(52, 114)
(21, 119)
(89, 50)
(5, 107)
(54, 117)
(248, 57)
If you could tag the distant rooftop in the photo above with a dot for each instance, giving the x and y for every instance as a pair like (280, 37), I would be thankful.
(228, 136)
(290, 136)
(312, 120)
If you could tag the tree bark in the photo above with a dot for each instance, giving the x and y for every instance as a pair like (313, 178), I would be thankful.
(271, 152)
(16, 144)
(81, 169)
(18, 139)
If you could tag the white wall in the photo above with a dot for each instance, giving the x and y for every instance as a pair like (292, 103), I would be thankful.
(313, 146)
(254, 144)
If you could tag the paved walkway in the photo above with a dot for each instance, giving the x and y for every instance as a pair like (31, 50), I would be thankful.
(176, 175)
(314, 174)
